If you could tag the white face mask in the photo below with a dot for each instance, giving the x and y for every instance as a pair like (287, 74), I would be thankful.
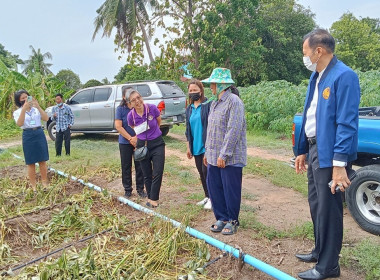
(308, 64)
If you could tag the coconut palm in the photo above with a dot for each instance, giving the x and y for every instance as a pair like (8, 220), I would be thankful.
(129, 17)
(36, 63)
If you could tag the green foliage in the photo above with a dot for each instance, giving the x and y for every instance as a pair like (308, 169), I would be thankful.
(358, 42)
(10, 60)
(8, 128)
(92, 83)
(370, 88)
(272, 105)
(128, 18)
(71, 80)
(283, 24)
(36, 63)
(39, 86)
(365, 255)
(227, 36)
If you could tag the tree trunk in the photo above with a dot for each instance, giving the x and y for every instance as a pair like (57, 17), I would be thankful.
(196, 45)
(145, 36)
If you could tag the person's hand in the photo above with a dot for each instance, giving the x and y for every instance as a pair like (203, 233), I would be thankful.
(188, 153)
(34, 103)
(205, 161)
(300, 164)
(221, 163)
(340, 179)
(55, 115)
(133, 141)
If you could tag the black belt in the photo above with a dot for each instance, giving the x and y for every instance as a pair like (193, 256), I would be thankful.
(312, 140)
(33, 128)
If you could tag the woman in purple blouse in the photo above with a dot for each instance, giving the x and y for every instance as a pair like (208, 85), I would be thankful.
(145, 119)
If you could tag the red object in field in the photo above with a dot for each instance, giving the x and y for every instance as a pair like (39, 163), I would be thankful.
(161, 107)
(293, 136)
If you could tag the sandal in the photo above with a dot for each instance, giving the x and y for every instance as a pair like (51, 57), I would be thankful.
(231, 229)
(218, 226)
(150, 205)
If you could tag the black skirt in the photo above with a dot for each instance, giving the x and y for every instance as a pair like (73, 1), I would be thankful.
(35, 146)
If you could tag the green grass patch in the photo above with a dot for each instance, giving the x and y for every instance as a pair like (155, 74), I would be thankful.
(8, 129)
(277, 172)
(173, 143)
(365, 256)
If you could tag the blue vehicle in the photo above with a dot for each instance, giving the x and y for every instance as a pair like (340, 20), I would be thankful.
(363, 196)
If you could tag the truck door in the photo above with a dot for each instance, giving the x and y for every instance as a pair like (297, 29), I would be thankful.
(102, 109)
(80, 105)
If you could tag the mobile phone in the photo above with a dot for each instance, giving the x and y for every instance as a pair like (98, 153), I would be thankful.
(351, 174)
(29, 98)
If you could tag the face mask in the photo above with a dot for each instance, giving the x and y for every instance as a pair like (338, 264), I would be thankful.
(22, 103)
(308, 64)
(59, 104)
(195, 96)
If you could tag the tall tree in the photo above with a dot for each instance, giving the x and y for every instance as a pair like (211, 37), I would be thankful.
(183, 12)
(36, 62)
(228, 37)
(357, 41)
(10, 60)
(128, 17)
(71, 80)
(282, 25)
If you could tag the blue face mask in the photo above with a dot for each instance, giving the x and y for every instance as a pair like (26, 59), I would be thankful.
(59, 104)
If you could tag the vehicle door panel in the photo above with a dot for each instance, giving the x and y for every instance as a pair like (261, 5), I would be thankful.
(102, 109)
(80, 106)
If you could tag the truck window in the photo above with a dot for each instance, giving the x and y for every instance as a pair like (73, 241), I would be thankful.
(170, 89)
(144, 90)
(85, 96)
(102, 94)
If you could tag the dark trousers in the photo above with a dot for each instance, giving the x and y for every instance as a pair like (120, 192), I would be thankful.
(327, 214)
(153, 166)
(60, 136)
(224, 187)
(202, 170)
(126, 155)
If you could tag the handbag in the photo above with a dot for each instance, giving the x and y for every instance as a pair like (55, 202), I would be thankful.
(141, 153)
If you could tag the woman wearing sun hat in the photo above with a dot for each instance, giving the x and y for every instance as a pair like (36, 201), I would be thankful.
(226, 151)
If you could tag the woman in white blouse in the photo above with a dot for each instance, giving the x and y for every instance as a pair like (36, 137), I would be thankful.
(28, 116)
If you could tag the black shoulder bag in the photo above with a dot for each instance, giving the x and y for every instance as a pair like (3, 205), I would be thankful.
(142, 152)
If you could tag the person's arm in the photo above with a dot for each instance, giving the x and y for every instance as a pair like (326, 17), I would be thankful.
(159, 121)
(21, 119)
(119, 127)
(71, 116)
(347, 104)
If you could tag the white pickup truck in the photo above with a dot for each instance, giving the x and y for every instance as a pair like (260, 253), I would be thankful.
(94, 108)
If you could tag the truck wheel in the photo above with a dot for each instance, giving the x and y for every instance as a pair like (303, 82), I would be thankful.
(164, 130)
(52, 130)
(363, 198)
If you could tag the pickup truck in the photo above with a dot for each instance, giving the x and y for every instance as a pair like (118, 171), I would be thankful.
(363, 196)
(94, 108)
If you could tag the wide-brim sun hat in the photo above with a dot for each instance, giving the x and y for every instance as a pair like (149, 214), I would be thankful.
(219, 76)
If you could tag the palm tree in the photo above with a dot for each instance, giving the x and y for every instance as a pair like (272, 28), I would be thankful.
(36, 63)
(129, 17)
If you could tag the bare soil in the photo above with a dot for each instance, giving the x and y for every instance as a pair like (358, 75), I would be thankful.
(274, 206)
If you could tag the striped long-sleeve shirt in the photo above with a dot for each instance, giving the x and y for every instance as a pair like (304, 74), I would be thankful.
(226, 132)
(65, 117)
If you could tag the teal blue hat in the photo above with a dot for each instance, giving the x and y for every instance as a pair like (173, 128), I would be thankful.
(219, 76)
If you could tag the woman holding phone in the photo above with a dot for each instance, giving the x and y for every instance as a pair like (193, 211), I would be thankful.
(28, 116)
(145, 119)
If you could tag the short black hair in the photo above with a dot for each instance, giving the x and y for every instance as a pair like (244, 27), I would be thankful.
(59, 94)
(17, 96)
(320, 38)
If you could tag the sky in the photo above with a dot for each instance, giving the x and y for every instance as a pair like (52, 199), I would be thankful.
(65, 27)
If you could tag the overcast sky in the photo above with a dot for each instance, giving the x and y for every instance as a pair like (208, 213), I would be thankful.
(65, 27)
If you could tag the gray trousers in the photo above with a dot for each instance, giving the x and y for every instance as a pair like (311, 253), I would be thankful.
(327, 214)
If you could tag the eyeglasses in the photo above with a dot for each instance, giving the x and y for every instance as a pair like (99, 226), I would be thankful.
(135, 99)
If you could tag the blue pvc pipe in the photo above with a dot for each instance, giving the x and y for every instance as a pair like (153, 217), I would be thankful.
(264, 267)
